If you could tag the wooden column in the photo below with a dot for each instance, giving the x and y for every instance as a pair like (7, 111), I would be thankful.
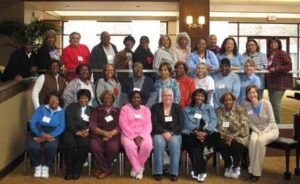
(194, 8)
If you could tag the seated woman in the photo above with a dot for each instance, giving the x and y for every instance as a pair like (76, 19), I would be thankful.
(47, 83)
(165, 70)
(83, 72)
(136, 126)
(167, 122)
(105, 138)
(199, 130)
(47, 123)
(264, 130)
(76, 137)
(204, 81)
(186, 84)
(109, 82)
(233, 125)
(139, 82)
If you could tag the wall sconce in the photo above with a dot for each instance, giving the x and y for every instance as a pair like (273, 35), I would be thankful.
(189, 21)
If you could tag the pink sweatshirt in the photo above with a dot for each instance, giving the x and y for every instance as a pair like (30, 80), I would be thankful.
(134, 122)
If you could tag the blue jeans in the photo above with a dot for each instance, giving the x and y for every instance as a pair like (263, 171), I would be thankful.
(174, 148)
(34, 150)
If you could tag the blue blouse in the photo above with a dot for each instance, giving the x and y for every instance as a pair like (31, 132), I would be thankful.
(172, 84)
(246, 81)
(237, 60)
(229, 83)
(210, 58)
(191, 122)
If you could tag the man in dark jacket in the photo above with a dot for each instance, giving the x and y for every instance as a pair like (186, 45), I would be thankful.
(22, 63)
(102, 54)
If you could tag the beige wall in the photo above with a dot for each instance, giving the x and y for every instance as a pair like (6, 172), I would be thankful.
(14, 112)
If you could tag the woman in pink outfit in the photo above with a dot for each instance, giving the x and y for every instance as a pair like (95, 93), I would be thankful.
(136, 127)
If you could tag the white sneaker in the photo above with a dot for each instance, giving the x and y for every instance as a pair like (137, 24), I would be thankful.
(193, 175)
(228, 172)
(235, 173)
(201, 177)
(45, 172)
(139, 175)
(133, 173)
(85, 164)
(37, 171)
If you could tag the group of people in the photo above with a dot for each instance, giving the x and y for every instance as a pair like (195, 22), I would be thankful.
(197, 101)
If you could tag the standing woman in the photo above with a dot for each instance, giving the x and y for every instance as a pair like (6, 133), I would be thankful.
(165, 70)
(233, 125)
(76, 137)
(264, 130)
(182, 50)
(46, 125)
(167, 122)
(144, 55)
(204, 81)
(201, 54)
(260, 59)
(47, 83)
(278, 79)
(164, 53)
(199, 130)
(105, 138)
(229, 50)
(47, 51)
(186, 84)
(110, 82)
(83, 72)
(136, 126)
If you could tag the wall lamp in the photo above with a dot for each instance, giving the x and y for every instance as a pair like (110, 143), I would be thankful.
(189, 21)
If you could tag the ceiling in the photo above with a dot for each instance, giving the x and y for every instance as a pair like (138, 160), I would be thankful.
(81, 8)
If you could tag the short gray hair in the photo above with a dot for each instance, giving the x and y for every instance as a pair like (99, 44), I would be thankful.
(184, 35)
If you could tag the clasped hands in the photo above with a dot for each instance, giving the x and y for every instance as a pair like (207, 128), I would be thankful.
(45, 137)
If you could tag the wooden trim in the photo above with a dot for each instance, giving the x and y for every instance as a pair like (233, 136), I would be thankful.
(11, 88)
(10, 167)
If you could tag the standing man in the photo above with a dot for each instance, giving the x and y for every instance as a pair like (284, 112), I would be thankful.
(22, 63)
(212, 44)
(102, 54)
(74, 55)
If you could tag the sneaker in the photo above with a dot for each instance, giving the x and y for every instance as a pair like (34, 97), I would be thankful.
(201, 177)
(193, 175)
(85, 164)
(45, 172)
(228, 172)
(139, 175)
(37, 171)
(133, 173)
(235, 173)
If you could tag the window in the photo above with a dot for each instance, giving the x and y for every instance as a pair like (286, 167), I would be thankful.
(90, 31)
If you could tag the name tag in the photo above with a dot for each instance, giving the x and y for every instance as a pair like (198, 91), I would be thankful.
(250, 112)
(136, 89)
(225, 124)
(168, 119)
(221, 86)
(85, 117)
(138, 116)
(46, 119)
(198, 116)
(80, 58)
(108, 118)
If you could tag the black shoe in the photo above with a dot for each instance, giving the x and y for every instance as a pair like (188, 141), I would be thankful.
(174, 177)
(68, 177)
(158, 177)
(254, 178)
(76, 177)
